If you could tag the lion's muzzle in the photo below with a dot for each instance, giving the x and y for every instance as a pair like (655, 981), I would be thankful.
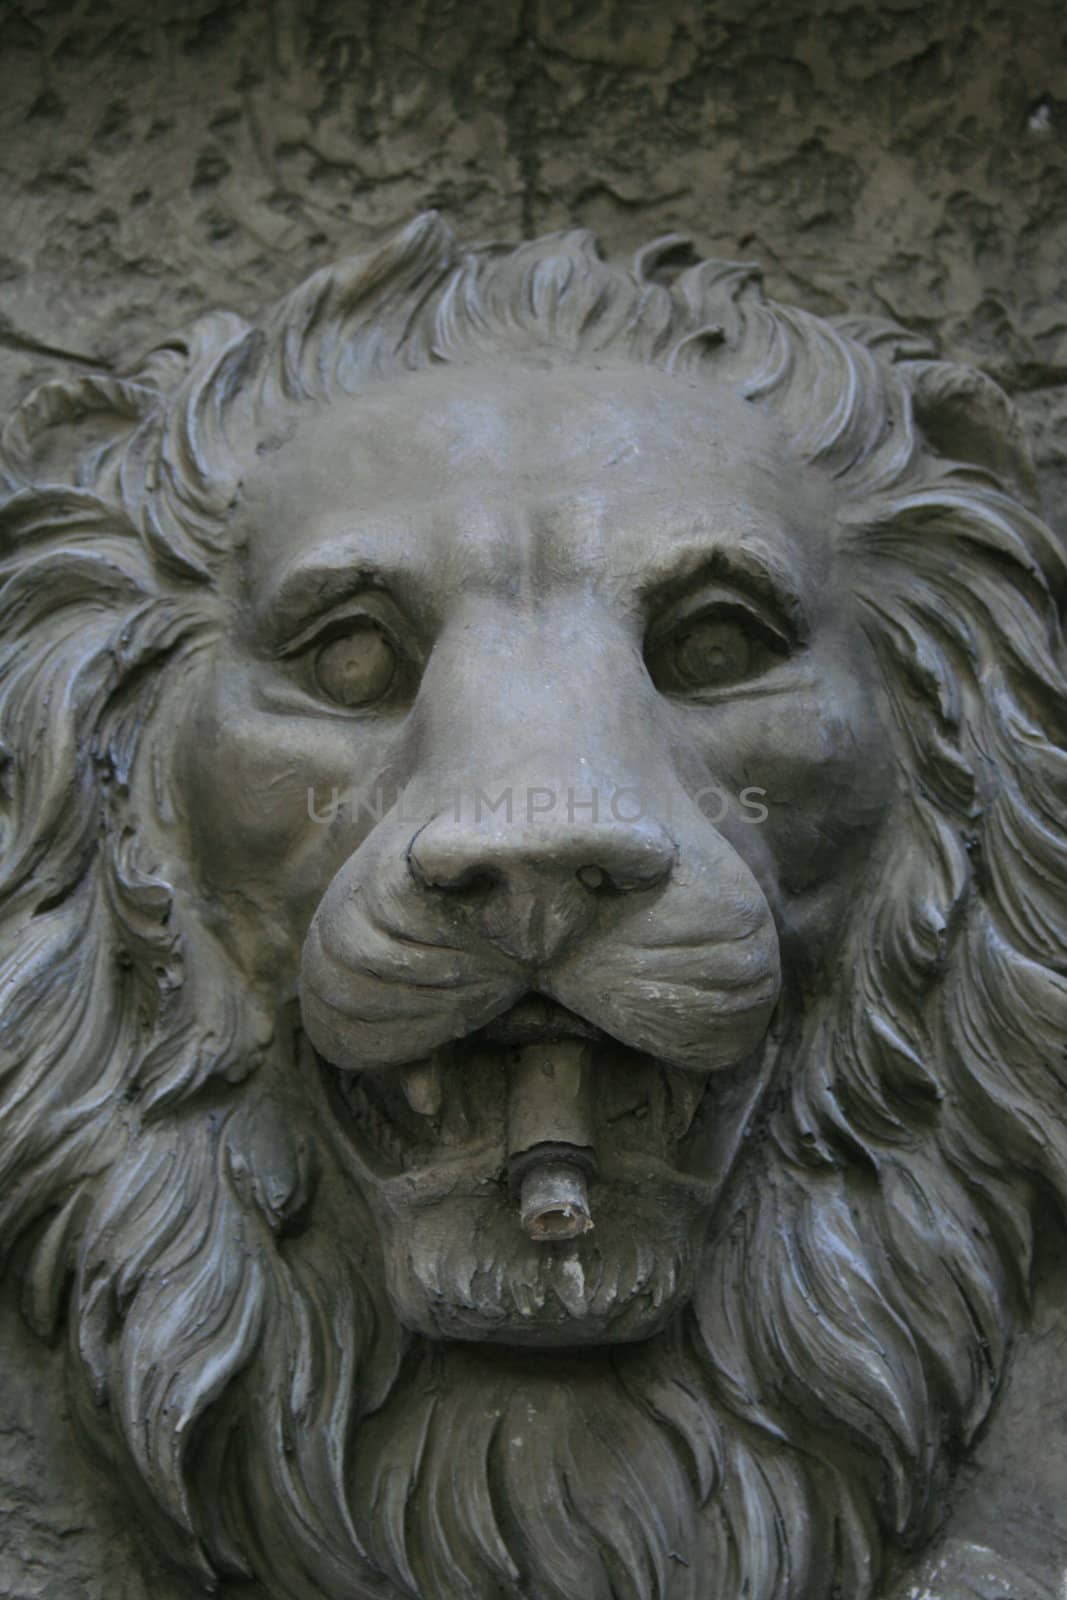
(660, 937)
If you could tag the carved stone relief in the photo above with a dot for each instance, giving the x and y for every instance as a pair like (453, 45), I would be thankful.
(534, 932)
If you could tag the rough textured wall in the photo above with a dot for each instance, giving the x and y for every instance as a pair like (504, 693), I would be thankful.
(907, 157)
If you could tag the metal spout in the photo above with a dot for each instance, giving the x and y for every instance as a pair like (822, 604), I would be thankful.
(550, 1138)
(553, 1204)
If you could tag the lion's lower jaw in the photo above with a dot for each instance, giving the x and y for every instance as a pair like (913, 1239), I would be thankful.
(448, 1278)
(459, 1266)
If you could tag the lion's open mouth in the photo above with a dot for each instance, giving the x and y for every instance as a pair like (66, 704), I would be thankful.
(458, 1101)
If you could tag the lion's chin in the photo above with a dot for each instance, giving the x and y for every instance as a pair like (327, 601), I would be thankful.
(460, 1271)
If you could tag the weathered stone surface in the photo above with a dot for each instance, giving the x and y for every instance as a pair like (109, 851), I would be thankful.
(905, 159)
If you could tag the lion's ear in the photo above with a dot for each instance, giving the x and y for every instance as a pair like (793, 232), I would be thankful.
(967, 417)
(962, 413)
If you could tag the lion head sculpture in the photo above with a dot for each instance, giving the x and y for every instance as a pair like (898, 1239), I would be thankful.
(466, 1159)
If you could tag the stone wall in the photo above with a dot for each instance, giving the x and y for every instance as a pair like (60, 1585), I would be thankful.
(908, 158)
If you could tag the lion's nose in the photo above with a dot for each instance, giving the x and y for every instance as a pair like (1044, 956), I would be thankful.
(608, 857)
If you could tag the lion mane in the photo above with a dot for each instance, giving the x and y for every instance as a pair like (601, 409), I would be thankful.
(168, 1197)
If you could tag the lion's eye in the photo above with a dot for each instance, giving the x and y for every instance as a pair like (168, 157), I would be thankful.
(357, 668)
(711, 653)
(723, 645)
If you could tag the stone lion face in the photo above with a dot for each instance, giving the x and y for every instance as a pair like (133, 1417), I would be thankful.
(531, 795)
(537, 633)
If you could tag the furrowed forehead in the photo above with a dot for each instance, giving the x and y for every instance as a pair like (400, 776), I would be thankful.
(455, 479)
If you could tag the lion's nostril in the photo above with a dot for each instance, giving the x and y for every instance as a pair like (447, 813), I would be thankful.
(473, 882)
(453, 872)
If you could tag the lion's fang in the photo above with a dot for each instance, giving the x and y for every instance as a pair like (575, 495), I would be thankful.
(685, 1092)
(423, 1088)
